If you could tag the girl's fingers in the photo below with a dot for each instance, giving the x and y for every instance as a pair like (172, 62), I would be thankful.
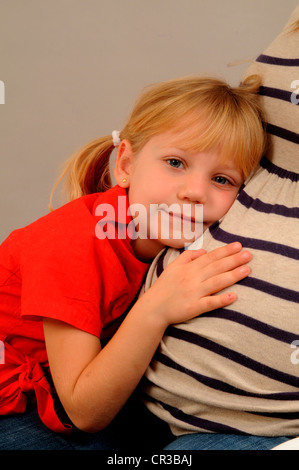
(194, 278)
(222, 252)
(223, 280)
(226, 264)
(213, 302)
(214, 255)
(189, 255)
(202, 266)
(208, 302)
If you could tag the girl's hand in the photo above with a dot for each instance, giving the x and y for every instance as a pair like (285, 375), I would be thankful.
(187, 286)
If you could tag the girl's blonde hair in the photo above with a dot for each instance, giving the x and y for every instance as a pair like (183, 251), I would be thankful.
(295, 26)
(211, 114)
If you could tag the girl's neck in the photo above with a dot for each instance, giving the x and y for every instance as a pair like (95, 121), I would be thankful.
(146, 249)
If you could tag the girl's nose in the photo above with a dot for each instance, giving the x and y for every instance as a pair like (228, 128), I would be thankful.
(194, 189)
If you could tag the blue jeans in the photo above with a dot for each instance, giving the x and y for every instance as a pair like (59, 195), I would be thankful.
(199, 441)
(134, 428)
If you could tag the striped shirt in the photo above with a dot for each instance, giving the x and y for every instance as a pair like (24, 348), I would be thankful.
(236, 369)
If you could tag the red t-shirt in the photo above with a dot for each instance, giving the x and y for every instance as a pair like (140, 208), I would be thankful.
(57, 267)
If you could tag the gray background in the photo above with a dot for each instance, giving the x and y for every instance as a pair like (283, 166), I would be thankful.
(73, 68)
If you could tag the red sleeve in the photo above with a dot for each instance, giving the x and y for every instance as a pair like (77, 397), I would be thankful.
(59, 276)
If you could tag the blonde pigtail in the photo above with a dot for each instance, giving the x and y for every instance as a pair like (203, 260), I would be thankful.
(87, 171)
(294, 27)
(252, 83)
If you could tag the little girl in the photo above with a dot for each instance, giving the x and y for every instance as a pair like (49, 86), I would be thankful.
(66, 291)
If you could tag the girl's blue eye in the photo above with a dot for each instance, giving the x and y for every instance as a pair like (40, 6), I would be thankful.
(221, 180)
(174, 162)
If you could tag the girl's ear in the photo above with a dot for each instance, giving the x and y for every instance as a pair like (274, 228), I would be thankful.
(124, 164)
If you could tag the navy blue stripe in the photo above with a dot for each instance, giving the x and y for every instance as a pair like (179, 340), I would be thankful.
(234, 356)
(201, 423)
(276, 93)
(266, 59)
(223, 386)
(194, 420)
(160, 263)
(257, 325)
(271, 289)
(282, 133)
(260, 206)
(276, 170)
(255, 243)
(278, 415)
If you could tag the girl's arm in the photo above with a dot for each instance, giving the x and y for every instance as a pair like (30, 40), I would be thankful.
(94, 383)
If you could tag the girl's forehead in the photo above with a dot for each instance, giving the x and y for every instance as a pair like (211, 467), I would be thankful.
(188, 137)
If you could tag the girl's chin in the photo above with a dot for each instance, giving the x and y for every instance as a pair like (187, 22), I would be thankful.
(179, 244)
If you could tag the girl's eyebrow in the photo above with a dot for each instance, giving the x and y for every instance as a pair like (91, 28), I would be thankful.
(229, 168)
(173, 149)
(235, 172)
(173, 146)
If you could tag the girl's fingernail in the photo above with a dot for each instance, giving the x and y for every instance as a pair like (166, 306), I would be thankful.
(246, 255)
(244, 270)
(237, 245)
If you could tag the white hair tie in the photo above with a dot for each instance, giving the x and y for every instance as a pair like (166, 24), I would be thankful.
(116, 138)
